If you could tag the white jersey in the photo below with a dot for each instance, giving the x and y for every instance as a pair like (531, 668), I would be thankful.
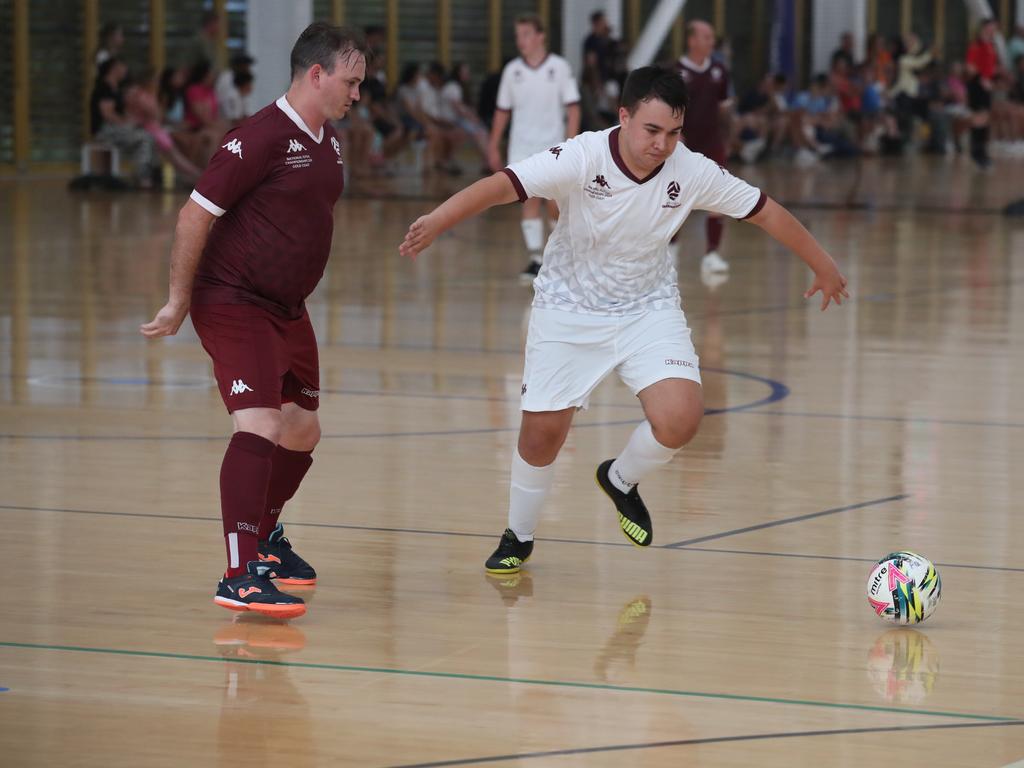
(608, 254)
(537, 98)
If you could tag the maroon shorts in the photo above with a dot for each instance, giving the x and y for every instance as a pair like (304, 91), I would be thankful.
(259, 360)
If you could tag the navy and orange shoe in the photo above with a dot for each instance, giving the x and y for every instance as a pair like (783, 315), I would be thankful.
(634, 519)
(254, 591)
(288, 567)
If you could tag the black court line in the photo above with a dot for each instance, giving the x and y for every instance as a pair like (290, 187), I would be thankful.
(786, 521)
(709, 740)
(470, 535)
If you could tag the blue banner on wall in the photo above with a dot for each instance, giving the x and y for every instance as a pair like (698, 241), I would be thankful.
(783, 42)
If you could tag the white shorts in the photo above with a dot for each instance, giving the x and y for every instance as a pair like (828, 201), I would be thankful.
(568, 354)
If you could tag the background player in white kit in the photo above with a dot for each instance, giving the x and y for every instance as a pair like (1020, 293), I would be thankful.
(607, 298)
(539, 94)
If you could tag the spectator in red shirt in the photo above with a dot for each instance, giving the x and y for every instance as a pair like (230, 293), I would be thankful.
(269, 194)
(982, 64)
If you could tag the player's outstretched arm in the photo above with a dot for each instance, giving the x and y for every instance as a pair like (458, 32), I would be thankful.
(189, 238)
(783, 226)
(496, 189)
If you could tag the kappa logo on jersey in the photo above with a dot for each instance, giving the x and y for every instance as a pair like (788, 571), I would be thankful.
(556, 151)
(234, 147)
(551, 74)
(599, 188)
(716, 73)
(239, 387)
(294, 146)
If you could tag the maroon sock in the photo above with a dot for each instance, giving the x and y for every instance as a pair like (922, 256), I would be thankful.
(289, 469)
(713, 229)
(244, 476)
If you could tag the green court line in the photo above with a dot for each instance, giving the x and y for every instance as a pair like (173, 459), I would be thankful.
(518, 680)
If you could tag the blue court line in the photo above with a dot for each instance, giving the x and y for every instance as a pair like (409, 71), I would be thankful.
(777, 391)
(707, 740)
(489, 536)
(786, 521)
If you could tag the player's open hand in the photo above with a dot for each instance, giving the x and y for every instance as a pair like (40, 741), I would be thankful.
(166, 323)
(832, 286)
(421, 234)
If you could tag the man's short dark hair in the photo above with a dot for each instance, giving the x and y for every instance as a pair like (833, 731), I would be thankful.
(596, 16)
(322, 43)
(532, 19)
(649, 83)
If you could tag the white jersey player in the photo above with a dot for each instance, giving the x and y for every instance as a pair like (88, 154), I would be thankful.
(606, 298)
(539, 94)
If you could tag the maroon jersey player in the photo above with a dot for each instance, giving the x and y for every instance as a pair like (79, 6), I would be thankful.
(251, 244)
(707, 82)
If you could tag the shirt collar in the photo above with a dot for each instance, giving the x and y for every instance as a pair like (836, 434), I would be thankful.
(287, 108)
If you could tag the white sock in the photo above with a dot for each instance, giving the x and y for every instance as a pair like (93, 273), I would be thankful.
(533, 234)
(529, 488)
(643, 454)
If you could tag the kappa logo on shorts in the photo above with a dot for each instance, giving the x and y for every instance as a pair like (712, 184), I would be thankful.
(234, 147)
(684, 363)
(310, 392)
(238, 387)
(523, 392)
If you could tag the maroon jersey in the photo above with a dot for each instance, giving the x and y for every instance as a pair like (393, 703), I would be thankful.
(273, 184)
(707, 87)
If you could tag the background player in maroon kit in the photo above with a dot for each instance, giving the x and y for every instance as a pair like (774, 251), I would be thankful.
(269, 194)
(707, 83)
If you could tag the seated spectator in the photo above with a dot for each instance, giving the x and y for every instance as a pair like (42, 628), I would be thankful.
(231, 101)
(382, 115)
(597, 111)
(143, 108)
(761, 120)
(111, 125)
(817, 125)
(455, 97)
(201, 113)
(111, 42)
(439, 119)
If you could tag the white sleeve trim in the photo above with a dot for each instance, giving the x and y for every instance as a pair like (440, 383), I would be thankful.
(213, 208)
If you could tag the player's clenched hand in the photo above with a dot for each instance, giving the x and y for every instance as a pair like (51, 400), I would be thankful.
(421, 234)
(166, 323)
(832, 285)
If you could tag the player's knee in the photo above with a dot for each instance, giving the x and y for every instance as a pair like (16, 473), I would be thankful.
(674, 430)
(540, 447)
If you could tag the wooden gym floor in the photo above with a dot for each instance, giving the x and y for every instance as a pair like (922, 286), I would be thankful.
(742, 638)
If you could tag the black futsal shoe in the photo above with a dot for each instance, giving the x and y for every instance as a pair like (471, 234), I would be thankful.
(288, 567)
(634, 519)
(254, 591)
(529, 274)
(510, 554)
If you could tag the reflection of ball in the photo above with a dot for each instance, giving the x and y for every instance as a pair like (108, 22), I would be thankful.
(903, 666)
(904, 588)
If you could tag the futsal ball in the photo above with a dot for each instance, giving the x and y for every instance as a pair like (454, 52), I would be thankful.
(904, 588)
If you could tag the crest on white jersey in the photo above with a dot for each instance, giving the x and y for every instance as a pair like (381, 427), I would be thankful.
(234, 147)
(294, 146)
